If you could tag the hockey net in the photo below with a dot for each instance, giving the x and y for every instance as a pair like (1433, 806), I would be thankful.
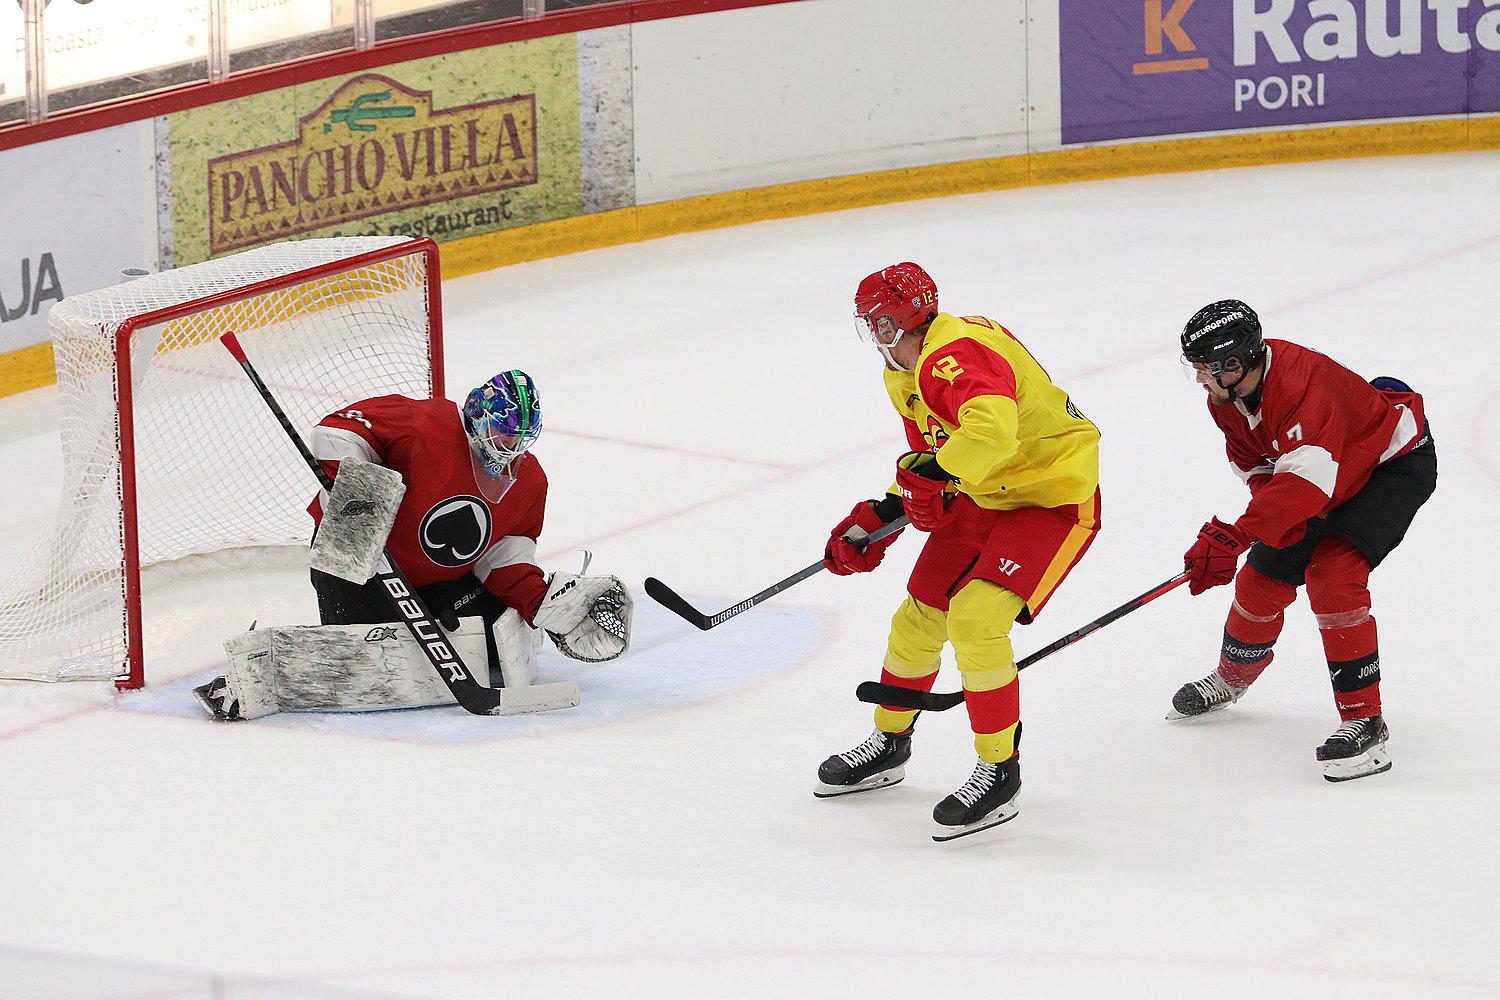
(169, 452)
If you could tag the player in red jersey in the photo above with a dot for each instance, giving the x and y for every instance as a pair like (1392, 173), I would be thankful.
(1003, 475)
(464, 503)
(475, 499)
(1337, 468)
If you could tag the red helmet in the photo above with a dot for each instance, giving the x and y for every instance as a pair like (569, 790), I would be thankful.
(894, 301)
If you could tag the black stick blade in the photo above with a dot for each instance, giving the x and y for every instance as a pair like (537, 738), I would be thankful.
(673, 602)
(875, 693)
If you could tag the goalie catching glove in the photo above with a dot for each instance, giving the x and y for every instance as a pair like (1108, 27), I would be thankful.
(588, 617)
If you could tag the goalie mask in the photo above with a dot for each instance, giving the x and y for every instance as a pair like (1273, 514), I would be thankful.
(503, 419)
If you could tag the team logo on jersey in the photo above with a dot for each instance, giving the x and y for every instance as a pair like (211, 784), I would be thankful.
(455, 531)
(935, 435)
(947, 368)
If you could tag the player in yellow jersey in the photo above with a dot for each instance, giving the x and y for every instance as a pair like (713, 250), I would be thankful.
(1003, 475)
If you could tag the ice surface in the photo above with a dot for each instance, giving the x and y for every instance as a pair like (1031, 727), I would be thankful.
(710, 415)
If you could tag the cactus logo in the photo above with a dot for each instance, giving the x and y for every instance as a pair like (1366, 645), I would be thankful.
(1164, 67)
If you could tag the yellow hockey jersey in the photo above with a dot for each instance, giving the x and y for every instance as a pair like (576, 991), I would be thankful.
(991, 413)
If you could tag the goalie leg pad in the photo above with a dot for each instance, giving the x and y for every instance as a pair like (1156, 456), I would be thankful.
(516, 650)
(342, 668)
(357, 520)
(518, 671)
(250, 678)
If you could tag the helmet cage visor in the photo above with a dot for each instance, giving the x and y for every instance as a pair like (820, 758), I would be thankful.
(494, 453)
(1233, 365)
(879, 328)
(497, 445)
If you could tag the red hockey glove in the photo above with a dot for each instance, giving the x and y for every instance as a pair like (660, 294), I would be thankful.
(843, 556)
(1214, 556)
(921, 481)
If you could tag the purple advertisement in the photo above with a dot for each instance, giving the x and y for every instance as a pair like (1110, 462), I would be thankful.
(1163, 67)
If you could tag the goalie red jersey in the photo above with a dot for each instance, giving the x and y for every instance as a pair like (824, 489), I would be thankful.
(1319, 432)
(446, 526)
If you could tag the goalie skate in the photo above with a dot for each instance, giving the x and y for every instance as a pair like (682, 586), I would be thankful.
(1356, 749)
(216, 699)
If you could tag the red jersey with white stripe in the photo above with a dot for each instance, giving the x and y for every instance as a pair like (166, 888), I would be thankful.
(445, 526)
(1319, 432)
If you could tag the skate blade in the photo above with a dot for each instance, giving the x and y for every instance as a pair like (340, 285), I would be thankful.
(1003, 814)
(1175, 716)
(538, 698)
(874, 781)
(1373, 761)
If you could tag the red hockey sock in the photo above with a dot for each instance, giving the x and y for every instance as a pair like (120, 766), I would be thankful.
(994, 711)
(923, 683)
(1338, 579)
(899, 720)
(1254, 623)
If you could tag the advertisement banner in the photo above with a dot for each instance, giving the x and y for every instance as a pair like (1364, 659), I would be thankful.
(77, 210)
(422, 148)
(1165, 67)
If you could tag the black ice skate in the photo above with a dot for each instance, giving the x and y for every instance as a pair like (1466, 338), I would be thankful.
(987, 799)
(214, 696)
(1355, 749)
(1201, 697)
(875, 763)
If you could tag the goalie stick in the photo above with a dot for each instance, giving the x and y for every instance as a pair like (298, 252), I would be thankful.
(876, 693)
(411, 609)
(674, 602)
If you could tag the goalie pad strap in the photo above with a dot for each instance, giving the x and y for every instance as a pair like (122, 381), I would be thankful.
(357, 520)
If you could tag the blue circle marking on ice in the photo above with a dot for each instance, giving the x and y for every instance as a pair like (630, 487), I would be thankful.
(670, 665)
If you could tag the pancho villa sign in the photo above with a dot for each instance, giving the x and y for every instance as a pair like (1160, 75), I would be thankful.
(373, 147)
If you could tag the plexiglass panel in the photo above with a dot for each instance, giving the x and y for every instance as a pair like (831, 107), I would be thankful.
(400, 18)
(261, 34)
(12, 64)
(99, 52)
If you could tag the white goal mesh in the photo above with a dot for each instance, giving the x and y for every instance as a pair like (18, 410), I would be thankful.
(168, 450)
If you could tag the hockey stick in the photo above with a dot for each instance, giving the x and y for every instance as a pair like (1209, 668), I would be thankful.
(408, 604)
(877, 693)
(673, 602)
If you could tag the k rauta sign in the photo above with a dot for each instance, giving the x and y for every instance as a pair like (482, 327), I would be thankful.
(1165, 67)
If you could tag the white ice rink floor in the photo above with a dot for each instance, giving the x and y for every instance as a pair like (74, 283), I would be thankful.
(710, 415)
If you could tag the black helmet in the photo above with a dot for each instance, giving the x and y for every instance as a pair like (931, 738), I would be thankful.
(1222, 332)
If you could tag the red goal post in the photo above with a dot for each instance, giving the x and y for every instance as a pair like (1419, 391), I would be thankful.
(167, 449)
